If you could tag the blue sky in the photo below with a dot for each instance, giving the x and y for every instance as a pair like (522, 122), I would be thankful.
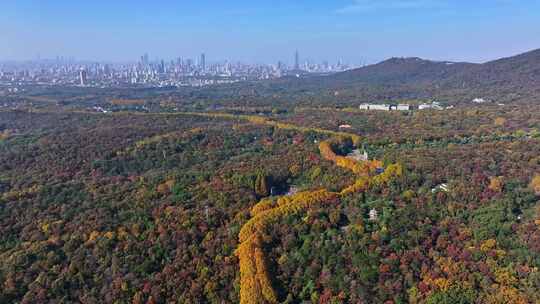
(267, 31)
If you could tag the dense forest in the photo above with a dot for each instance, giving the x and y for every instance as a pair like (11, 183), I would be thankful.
(185, 200)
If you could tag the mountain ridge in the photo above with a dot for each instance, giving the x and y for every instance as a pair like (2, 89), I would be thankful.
(514, 78)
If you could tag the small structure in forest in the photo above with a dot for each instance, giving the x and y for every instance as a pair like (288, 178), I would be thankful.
(431, 106)
(385, 107)
(358, 156)
(480, 100)
(401, 107)
(440, 188)
(373, 214)
(378, 107)
(292, 190)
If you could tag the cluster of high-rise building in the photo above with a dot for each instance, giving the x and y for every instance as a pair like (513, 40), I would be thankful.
(153, 73)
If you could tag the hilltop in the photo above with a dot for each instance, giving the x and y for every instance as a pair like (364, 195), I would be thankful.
(508, 79)
(512, 79)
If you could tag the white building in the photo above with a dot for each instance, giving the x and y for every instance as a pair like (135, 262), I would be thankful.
(441, 187)
(479, 100)
(428, 106)
(365, 156)
(380, 107)
(358, 156)
(403, 107)
(385, 107)
(373, 215)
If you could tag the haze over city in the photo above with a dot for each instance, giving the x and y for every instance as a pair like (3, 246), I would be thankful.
(361, 31)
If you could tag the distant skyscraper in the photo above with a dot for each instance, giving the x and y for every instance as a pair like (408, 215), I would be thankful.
(145, 59)
(107, 69)
(83, 77)
(296, 60)
(162, 67)
(202, 62)
(189, 63)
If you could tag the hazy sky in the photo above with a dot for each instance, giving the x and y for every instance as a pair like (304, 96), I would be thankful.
(267, 31)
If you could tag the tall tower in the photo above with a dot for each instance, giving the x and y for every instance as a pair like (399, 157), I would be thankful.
(296, 60)
(162, 66)
(83, 77)
(202, 62)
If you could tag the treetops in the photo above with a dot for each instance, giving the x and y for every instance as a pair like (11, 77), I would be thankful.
(255, 286)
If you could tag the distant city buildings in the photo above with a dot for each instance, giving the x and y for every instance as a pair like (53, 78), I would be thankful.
(154, 73)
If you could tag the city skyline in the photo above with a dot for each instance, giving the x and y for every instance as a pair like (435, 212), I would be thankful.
(264, 32)
(177, 72)
(295, 59)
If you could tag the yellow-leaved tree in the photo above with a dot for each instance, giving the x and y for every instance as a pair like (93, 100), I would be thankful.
(496, 184)
(535, 184)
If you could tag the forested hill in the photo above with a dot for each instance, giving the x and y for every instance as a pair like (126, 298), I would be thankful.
(398, 71)
(512, 79)
(509, 79)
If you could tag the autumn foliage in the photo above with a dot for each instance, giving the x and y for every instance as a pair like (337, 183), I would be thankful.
(535, 184)
(4, 134)
(150, 207)
(255, 283)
